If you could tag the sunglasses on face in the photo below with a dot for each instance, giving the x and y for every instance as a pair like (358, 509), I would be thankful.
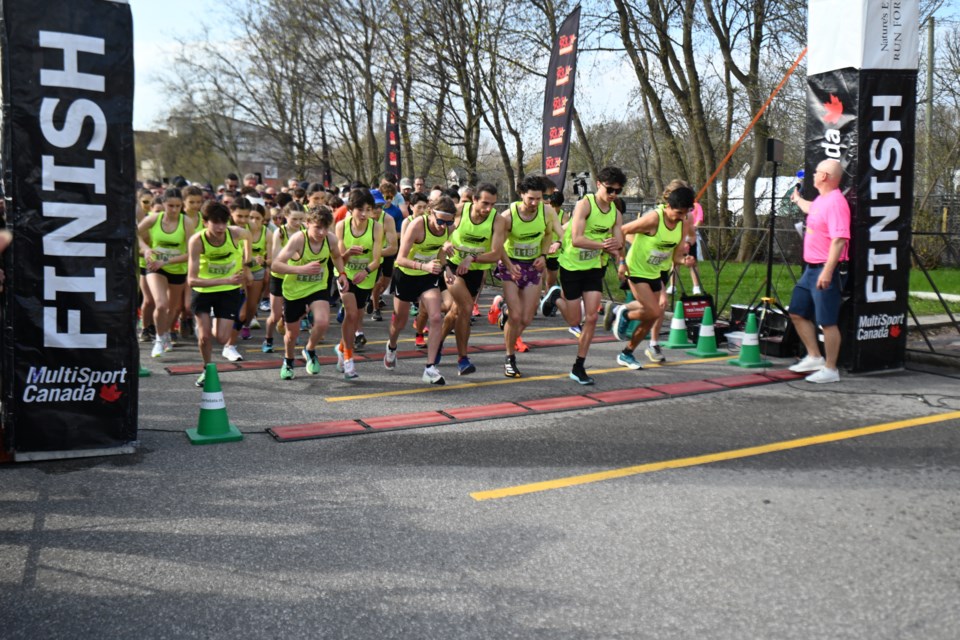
(442, 222)
(613, 190)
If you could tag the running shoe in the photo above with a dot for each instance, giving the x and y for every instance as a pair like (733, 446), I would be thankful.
(369, 307)
(340, 359)
(380, 303)
(313, 363)
(464, 366)
(496, 309)
(304, 325)
(390, 358)
(432, 375)
(620, 322)
(419, 342)
(476, 311)
(579, 374)
(267, 346)
(502, 320)
(576, 330)
(824, 375)
(230, 353)
(286, 372)
(655, 353)
(414, 310)
(521, 346)
(377, 316)
(157, 350)
(510, 368)
(264, 306)
(254, 324)
(808, 364)
(200, 379)
(245, 333)
(608, 316)
(629, 361)
(148, 334)
(359, 342)
(349, 370)
(548, 305)
(167, 343)
(340, 314)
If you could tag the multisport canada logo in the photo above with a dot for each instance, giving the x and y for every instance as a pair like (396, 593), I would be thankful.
(879, 326)
(73, 384)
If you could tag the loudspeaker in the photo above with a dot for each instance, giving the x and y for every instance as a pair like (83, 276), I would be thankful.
(774, 151)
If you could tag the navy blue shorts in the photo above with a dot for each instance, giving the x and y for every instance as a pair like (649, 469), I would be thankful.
(822, 305)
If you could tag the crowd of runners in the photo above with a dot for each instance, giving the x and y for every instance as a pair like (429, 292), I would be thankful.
(212, 263)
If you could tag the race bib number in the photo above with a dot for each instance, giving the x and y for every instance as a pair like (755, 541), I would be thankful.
(656, 257)
(424, 257)
(303, 277)
(526, 250)
(588, 254)
(356, 266)
(472, 252)
(223, 269)
(165, 255)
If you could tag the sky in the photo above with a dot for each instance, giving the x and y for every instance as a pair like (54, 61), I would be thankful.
(156, 25)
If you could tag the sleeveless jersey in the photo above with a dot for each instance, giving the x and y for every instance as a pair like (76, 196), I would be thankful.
(284, 239)
(649, 255)
(598, 226)
(426, 250)
(355, 264)
(259, 248)
(473, 239)
(297, 285)
(220, 261)
(169, 245)
(524, 240)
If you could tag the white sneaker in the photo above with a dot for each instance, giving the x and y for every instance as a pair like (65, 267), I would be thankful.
(808, 364)
(390, 358)
(230, 353)
(339, 358)
(432, 375)
(254, 324)
(349, 370)
(157, 350)
(824, 375)
(167, 343)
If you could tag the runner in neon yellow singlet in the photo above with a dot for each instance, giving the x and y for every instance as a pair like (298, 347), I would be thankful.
(163, 243)
(293, 214)
(304, 264)
(216, 272)
(192, 203)
(594, 230)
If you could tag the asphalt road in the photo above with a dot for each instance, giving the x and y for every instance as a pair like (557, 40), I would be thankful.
(379, 535)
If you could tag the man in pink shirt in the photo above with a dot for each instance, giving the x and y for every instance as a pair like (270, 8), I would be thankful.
(817, 294)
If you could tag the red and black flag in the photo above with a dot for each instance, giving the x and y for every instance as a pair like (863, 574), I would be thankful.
(558, 99)
(391, 158)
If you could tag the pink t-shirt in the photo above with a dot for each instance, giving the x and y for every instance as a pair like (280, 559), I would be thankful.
(696, 216)
(829, 218)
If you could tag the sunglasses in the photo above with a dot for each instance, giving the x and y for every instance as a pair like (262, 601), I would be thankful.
(442, 222)
(613, 190)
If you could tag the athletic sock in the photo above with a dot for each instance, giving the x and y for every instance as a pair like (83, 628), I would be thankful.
(288, 362)
(653, 342)
(579, 362)
(311, 352)
(627, 351)
(347, 353)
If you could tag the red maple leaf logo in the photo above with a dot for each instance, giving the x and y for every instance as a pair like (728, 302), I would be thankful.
(110, 394)
(833, 109)
(895, 331)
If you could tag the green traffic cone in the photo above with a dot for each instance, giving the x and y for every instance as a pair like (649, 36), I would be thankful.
(678, 330)
(750, 347)
(213, 425)
(707, 339)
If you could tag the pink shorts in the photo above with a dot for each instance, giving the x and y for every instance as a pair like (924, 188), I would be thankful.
(528, 275)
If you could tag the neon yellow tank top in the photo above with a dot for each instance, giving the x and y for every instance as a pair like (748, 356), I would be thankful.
(599, 227)
(524, 240)
(649, 255)
(297, 285)
(426, 250)
(169, 245)
(473, 239)
(356, 263)
(220, 261)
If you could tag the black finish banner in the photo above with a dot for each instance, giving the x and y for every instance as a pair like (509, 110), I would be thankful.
(391, 159)
(865, 119)
(70, 354)
(558, 100)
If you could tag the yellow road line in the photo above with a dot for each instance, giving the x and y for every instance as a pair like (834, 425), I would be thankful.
(493, 383)
(679, 463)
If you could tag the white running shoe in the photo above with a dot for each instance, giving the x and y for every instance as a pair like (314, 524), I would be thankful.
(390, 358)
(340, 360)
(157, 350)
(432, 375)
(808, 364)
(254, 324)
(167, 343)
(824, 375)
(230, 353)
(349, 370)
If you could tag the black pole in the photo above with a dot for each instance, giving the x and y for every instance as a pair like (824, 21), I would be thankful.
(774, 155)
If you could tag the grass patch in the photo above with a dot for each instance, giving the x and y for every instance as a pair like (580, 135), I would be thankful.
(752, 285)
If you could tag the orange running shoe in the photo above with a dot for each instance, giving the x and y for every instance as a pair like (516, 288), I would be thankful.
(521, 346)
(495, 309)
